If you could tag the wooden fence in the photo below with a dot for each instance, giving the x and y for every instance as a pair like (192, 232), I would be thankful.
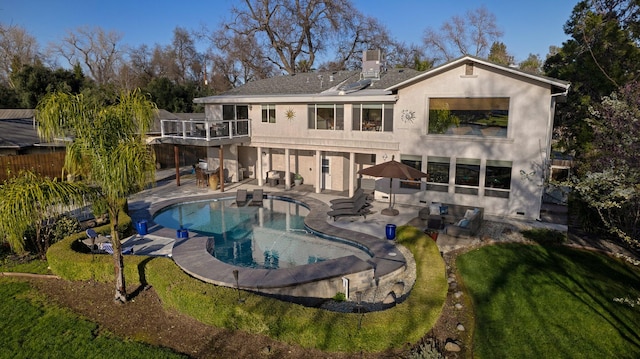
(45, 164)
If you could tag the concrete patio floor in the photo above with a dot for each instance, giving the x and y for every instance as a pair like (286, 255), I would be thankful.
(160, 243)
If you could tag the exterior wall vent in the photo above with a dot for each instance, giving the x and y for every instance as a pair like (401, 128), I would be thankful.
(468, 69)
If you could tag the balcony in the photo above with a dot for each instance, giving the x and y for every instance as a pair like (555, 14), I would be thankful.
(205, 133)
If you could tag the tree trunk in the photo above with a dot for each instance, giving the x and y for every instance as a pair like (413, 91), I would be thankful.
(118, 260)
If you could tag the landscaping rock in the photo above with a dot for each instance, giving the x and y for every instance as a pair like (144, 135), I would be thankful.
(457, 294)
(458, 306)
(452, 346)
(460, 327)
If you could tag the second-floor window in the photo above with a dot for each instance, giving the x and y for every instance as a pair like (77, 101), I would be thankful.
(235, 112)
(326, 116)
(373, 117)
(269, 113)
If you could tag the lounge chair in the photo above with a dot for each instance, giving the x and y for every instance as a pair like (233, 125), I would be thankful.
(368, 185)
(256, 197)
(359, 192)
(94, 240)
(359, 208)
(241, 197)
(346, 205)
(107, 247)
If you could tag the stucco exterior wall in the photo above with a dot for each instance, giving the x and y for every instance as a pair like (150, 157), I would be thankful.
(525, 146)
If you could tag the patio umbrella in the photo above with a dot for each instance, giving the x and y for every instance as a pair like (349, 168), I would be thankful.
(392, 169)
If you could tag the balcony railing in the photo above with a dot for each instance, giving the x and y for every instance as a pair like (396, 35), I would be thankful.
(205, 130)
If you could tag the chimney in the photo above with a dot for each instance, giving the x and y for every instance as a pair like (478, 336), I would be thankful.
(372, 64)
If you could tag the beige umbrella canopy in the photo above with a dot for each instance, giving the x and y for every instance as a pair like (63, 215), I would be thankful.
(392, 169)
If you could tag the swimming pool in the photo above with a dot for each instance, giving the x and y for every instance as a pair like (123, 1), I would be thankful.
(271, 236)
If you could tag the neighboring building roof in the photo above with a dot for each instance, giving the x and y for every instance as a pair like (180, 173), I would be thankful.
(18, 133)
(16, 114)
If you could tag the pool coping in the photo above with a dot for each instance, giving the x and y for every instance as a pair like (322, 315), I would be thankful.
(191, 254)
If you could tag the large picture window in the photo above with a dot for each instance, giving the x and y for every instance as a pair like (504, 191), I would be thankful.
(497, 180)
(438, 174)
(269, 113)
(373, 117)
(326, 117)
(467, 175)
(478, 116)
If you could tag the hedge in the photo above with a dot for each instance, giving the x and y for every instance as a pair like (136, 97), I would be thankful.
(407, 322)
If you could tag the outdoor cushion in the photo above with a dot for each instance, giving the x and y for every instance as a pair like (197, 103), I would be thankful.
(444, 209)
(434, 209)
(470, 213)
(463, 223)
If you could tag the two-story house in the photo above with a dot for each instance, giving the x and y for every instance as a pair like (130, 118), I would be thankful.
(480, 130)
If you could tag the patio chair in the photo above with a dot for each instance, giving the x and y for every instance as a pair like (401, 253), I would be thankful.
(345, 205)
(357, 194)
(256, 197)
(359, 208)
(94, 240)
(108, 248)
(241, 197)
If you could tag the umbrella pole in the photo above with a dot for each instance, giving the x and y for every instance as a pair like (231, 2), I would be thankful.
(390, 193)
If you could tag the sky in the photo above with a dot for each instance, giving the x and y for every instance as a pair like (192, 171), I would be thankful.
(528, 29)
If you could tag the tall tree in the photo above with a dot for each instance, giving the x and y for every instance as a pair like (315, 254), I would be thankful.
(98, 51)
(498, 54)
(287, 33)
(532, 64)
(32, 82)
(601, 56)
(611, 182)
(472, 34)
(109, 149)
(30, 201)
(17, 48)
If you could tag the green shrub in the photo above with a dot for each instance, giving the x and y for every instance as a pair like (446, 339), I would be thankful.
(545, 236)
(340, 297)
(71, 260)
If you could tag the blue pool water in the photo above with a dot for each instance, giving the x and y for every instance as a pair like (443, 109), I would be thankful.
(271, 236)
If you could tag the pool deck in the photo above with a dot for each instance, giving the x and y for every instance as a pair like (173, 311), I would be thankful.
(191, 254)
(194, 259)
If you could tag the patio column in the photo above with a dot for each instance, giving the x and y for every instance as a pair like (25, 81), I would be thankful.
(176, 159)
(352, 168)
(318, 171)
(287, 170)
(221, 155)
(259, 168)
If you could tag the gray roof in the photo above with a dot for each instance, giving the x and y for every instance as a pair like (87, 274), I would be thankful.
(564, 85)
(18, 133)
(317, 82)
(16, 114)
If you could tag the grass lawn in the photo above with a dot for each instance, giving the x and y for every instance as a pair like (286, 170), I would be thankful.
(31, 328)
(535, 301)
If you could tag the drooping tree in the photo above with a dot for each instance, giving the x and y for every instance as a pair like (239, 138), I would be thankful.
(30, 201)
(109, 150)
